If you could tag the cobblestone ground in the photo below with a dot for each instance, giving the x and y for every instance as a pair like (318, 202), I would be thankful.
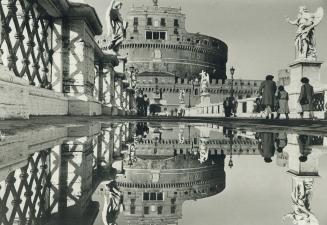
(300, 126)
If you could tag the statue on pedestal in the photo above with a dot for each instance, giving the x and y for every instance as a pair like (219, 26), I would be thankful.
(204, 82)
(304, 41)
(203, 151)
(116, 25)
(301, 197)
(181, 96)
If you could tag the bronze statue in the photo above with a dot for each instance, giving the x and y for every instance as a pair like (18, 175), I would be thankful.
(116, 25)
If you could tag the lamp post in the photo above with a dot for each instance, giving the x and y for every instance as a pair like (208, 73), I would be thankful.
(189, 93)
(231, 136)
(232, 70)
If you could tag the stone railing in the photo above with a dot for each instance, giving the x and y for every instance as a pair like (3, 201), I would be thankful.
(247, 108)
(52, 65)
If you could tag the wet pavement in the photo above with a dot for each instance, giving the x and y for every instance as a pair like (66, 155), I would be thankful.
(74, 170)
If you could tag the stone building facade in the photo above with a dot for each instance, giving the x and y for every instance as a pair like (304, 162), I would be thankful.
(156, 40)
(168, 59)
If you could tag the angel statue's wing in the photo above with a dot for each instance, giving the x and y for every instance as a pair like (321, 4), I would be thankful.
(319, 14)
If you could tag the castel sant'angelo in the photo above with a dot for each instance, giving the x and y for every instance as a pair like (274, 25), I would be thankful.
(168, 59)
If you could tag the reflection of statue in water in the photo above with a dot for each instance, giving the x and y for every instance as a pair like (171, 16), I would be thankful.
(204, 82)
(304, 42)
(113, 203)
(181, 95)
(116, 26)
(203, 151)
(301, 197)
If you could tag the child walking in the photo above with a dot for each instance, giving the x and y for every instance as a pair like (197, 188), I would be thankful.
(282, 98)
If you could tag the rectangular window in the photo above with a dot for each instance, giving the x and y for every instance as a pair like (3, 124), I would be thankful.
(136, 21)
(146, 196)
(149, 21)
(146, 210)
(163, 22)
(176, 24)
(160, 197)
(148, 35)
(153, 196)
(162, 35)
(160, 209)
(173, 210)
(173, 201)
(156, 35)
(135, 30)
(132, 209)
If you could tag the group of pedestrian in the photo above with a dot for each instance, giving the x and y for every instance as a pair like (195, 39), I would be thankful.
(230, 106)
(269, 142)
(275, 99)
(142, 103)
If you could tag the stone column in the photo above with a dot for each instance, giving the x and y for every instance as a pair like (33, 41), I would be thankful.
(108, 101)
(106, 148)
(98, 84)
(117, 140)
(117, 107)
(78, 68)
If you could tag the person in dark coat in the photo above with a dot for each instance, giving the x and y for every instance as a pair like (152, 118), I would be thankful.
(227, 107)
(146, 105)
(267, 90)
(267, 145)
(306, 98)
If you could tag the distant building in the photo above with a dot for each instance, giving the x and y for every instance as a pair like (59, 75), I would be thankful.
(157, 41)
(168, 59)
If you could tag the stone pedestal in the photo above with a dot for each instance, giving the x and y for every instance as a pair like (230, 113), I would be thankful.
(298, 70)
(205, 99)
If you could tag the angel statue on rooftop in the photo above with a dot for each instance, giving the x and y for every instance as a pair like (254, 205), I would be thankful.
(116, 25)
(181, 95)
(306, 22)
(204, 81)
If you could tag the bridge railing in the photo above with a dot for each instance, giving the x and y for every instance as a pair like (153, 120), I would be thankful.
(51, 64)
(247, 107)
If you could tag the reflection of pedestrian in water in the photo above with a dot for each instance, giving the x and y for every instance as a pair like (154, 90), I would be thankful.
(281, 141)
(304, 142)
(142, 130)
(266, 145)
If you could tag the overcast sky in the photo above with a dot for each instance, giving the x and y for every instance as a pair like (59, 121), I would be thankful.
(258, 38)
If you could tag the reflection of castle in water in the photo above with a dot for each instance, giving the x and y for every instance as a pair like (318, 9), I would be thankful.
(155, 188)
(168, 167)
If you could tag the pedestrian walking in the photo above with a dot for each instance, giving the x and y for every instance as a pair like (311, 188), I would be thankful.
(234, 104)
(146, 105)
(267, 90)
(282, 98)
(227, 107)
(306, 98)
